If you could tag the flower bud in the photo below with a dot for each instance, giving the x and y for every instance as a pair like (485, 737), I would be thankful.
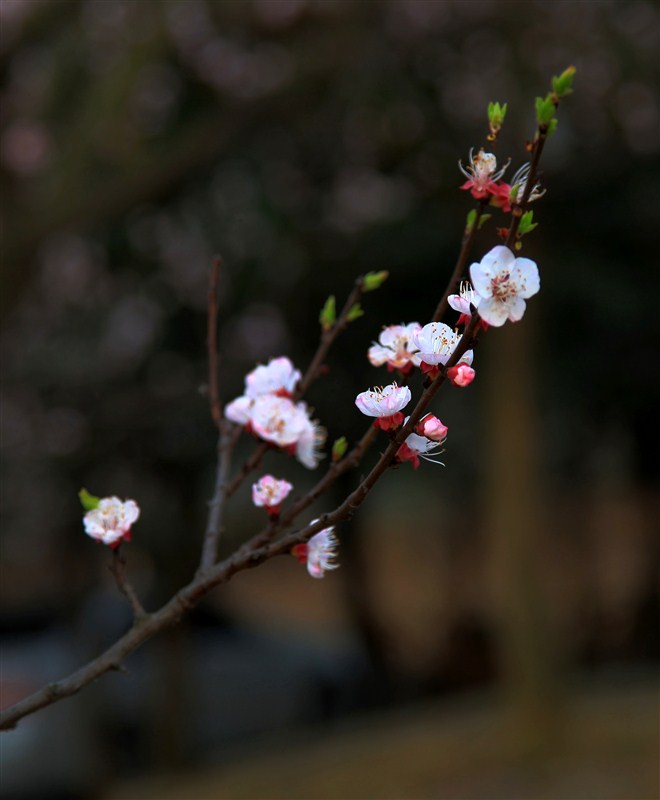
(460, 375)
(431, 427)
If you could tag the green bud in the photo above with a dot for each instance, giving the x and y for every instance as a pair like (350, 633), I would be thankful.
(374, 280)
(469, 220)
(355, 312)
(339, 448)
(545, 110)
(552, 127)
(88, 501)
(328, 314)
(563, 84)
(484, 219)
(496, 114)
(526, 223)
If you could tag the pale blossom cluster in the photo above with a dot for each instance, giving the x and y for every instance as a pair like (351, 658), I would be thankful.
(110, 522)
(269, 493)
(436, 343)
(318, 553)
(268, 411)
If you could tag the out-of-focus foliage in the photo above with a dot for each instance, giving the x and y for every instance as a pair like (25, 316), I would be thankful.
(306, 141)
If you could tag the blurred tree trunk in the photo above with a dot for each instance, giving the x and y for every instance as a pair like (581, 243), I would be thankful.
(514, 520)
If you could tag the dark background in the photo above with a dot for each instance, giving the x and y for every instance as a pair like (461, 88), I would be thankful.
(308, 142)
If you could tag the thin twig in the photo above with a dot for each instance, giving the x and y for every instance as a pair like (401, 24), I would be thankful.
(214, 526)
(125, 587)
(454, 282)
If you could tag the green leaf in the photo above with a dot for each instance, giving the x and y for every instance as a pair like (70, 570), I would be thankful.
(374, 280)
(469, 220)
(484, 218)
(563, 84)
(339, 448)
(552, 127)
(89, 501)
(496, 114)
(328, 314)
(354, 313)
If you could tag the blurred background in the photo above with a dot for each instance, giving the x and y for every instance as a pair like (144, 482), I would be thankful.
(493, 629)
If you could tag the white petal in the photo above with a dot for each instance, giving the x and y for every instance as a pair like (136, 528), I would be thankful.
(516, 308)
(480, 278)
(526, 276)
(493, 312)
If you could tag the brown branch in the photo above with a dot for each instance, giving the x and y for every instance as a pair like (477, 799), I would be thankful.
(214, 526)
(125, 587)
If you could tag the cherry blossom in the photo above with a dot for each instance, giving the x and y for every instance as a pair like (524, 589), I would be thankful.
(110, 522)
(482, 174)
(461, 375)
(384, 403)
(240, 410)
(394, 348)
(509, 194)
(503, 282)
(269, 493)
(318, 553)
(436, 342)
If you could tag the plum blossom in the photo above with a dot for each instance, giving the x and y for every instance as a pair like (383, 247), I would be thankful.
(394, 348)
(279, 376)
(482, 174)
(505, 196)
(436, 342)
(269, 493)
(461, 375)
(239, 410)
(384, 403)
(110, 522)
(318, 553)
(503, 282)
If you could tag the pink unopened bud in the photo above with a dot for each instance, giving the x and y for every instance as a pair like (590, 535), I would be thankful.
(432, 428)
(461, 375)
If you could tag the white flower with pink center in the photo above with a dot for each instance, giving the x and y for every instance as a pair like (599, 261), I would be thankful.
(239, 410)
(384, 403)
(278, 376)
(269, 493)
(394, 347)
(110, 522)
(318, 553)
(462, 301)
(436, 342)
(278, 420)
(504, 282)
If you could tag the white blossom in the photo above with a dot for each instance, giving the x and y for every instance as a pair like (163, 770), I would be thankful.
(504, 282)
(383, 401)
(111, 520)
(278, 420)
(279, 375)
(309, 443)
(319, 552)
(436, 342)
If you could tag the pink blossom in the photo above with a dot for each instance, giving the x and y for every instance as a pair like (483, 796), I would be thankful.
(269, 493)
(311, 439)
(110, 522)
(461, 375)
(239, 410)
(394, 347)
(432, 428)
(503, 282)
(318, 553)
